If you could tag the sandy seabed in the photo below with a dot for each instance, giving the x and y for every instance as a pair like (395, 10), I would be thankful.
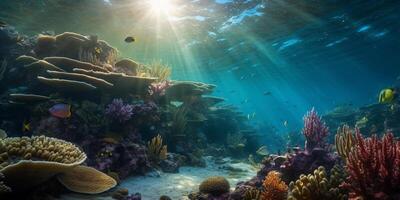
(179, 185)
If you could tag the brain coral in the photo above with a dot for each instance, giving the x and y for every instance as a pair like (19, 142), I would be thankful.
(215, 185)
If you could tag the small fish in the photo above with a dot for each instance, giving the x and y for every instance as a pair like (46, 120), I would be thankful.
(26, 126)
(285, 123)
(262, 151)
(241, 145)
(267, 93)
(130, 39)
(61, 110)
(3, 134)
(97, 50)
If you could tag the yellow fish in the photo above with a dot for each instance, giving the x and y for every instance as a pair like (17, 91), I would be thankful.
(387, 95)
(26, 126)
(97, 50)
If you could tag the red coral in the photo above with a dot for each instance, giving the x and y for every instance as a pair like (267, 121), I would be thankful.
(314, 130)
(374, 168)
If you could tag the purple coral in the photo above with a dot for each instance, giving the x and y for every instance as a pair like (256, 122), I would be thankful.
(157, 90)
(314, 130)
(119, 111)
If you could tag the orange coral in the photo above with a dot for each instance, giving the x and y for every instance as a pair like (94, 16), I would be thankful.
(273, 187)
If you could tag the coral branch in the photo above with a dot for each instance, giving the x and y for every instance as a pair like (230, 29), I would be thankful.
(314, 130)
(374, 168)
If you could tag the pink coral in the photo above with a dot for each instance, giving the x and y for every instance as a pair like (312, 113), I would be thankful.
(315, 130)
(374, 168)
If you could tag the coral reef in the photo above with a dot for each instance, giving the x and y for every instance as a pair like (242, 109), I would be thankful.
(344, 141)
(27, 162)
(156, 150)
(86, 180)
(374, 167)
(119, 111)
(314, 130)
(3, 187)
(314, 186)
(273, 187)
(215, 186)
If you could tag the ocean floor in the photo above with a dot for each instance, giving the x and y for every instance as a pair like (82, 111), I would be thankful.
(179, 185)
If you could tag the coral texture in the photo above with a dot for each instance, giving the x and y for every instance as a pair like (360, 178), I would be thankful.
(374, 168)
(344, 141)
(215, 185)
(119, 111)
(273, 187)
(314, 130)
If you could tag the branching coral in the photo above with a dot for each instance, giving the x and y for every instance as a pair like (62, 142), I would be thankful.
(157, 90)
(315, 186)
(374, 168)
(119, 111)
(314, 130)
(344, 141)
(252, 194)
(273, 187)
(156, 150)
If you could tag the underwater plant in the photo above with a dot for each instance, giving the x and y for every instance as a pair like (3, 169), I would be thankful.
(156, 150)
(344, 141)
(314, 130)
(179, 121)
(119, 111)
(374, 167)
(157, 69)
(273, 187)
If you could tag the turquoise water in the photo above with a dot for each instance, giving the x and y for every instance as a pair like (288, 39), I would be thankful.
(272, 60)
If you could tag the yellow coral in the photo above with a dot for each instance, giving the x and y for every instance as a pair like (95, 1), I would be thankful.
(316, 186)
(273, 187)
(29, 161)
(252, 194)
(344, 141)
(215, 185)
(156, 150)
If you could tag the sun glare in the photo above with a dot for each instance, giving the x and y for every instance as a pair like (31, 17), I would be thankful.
(161, 6)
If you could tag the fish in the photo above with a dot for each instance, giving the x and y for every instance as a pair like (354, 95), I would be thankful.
(97, 50)
(26, 126)
(285, 123)
(241, 145)
(387, 95)
(3, 134)
(267, 93)
(244, 101)
(130, 39)
(251, 116)
(262, 151)
(61, 110)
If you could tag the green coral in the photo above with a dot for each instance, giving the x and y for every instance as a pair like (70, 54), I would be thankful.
(317, 186)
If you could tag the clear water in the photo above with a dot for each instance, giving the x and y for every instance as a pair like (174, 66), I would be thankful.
(272, 59)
